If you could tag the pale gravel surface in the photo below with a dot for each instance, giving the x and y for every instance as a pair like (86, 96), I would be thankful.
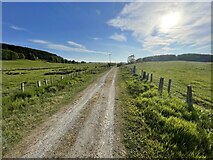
(95, 136)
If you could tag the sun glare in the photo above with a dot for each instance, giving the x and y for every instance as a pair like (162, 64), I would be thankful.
(170, 20)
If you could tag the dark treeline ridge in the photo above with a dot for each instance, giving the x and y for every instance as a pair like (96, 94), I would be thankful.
(12, 52)
(182, 57)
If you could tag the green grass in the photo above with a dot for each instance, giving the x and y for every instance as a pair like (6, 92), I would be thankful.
(162, 126)
(15, 64)
(197, 74)
(24, 111)
(13, 79)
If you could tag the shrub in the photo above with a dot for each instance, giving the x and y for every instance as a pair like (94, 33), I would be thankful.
(51, 89)
(23, 95)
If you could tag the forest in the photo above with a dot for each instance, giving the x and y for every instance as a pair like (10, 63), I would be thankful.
(12, 52)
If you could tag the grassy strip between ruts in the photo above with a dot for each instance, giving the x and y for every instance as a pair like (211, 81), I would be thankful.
(161, 126)
(24, 111)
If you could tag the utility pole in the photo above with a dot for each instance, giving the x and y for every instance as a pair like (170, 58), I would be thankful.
(109, 57)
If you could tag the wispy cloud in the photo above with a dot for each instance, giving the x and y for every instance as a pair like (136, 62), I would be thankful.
(98, 12)
(39, 41)
(144, 20)
(118, 37)
(61, 47)
(17, 28)
(74, 44)
(96, 38)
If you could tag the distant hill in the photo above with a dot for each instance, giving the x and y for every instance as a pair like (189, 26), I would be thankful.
(182, 57)
(12, 52)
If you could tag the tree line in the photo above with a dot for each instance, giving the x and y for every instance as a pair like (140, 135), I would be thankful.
(181, 57)
(12, 52)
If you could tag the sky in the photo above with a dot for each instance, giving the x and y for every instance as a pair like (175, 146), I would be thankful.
(91, 31)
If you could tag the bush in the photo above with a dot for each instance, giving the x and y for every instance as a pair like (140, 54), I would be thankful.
(51, 89)
(23, 95)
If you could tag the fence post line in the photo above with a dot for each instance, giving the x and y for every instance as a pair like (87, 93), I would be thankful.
(22, 86)
(38, 84)
(189, 96)
(169, 86)
(151, 77)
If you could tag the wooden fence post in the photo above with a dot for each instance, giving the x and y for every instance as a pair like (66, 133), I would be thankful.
(147, 77)
(22, 87)
(151, 77)
(45, 82)
(144, 75)
(159, 84)
(51, 81)
(134, 70)
(141, 74)
(189, 96)
(38, 83)
(169, 86)
(160, 87)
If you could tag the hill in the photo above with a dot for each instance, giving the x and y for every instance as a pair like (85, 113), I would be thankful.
(12, 52)
(181, 57)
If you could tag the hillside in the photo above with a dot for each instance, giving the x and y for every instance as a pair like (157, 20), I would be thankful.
(181, 57)
(12, 52)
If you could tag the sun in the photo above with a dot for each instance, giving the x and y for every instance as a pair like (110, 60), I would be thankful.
(170, 20)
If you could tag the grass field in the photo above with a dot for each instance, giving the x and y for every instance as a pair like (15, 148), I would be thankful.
(156, 126)
(22, 111)
(31, 64)
(15, 73)
(197, 74)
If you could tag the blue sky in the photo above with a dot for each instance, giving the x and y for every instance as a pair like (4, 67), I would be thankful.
(89, 31)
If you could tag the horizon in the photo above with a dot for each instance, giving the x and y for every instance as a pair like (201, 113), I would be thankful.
(88, 32)
(114, 61)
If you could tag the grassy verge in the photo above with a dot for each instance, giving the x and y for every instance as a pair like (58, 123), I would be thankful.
(24, 111)
(161, 126)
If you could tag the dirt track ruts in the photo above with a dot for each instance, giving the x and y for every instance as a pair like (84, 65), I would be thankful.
(83, 129)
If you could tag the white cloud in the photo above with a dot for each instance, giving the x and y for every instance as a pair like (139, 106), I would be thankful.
(38, 41)
(17, 28)
(96, 38)
(61, 47)
(144, 20)
(74, 44)
(118, 37)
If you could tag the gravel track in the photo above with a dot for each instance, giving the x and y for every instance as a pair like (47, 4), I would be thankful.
(84, 129)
